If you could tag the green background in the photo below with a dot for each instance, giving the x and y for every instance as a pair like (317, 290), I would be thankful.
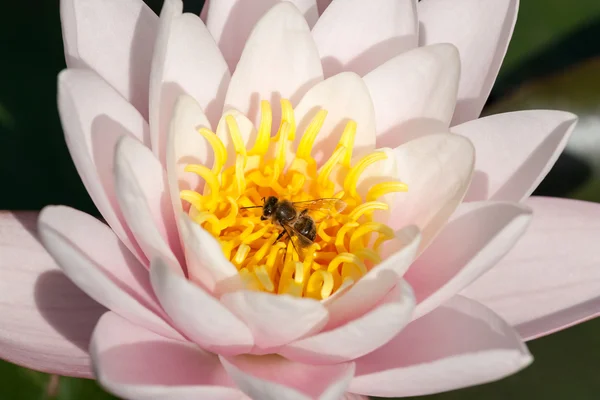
(553, 62)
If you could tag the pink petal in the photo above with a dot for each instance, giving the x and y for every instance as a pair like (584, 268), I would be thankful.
(414, 93)
(345, 97)
(101, 245)
(481, 30)
(460, 344)
(206, 263)
(231, 21)
(276, 320)
(137, 364)
(477, 236)
(352, 396)
(199, 315)
(158, 117)
(515, 151)
(280, 60)
(353, 37)
(550, 280)
(204, 11)
(143, 194)
(47, 321)
(371, 288)
(438, 170)
(360, 336)
(87, 259)
(187, 61)
(119, 51)
(93, 124)
(275, 378)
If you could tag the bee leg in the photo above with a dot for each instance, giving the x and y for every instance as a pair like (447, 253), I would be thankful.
(280, 236)
(303, 212)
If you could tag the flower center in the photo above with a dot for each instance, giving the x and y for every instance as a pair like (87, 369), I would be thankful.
(286, 225)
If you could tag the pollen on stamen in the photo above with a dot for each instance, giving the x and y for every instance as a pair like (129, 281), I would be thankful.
(347, 241)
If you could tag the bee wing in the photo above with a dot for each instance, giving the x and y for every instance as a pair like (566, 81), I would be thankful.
(326, 205)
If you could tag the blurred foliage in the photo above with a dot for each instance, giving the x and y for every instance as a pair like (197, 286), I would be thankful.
(550, 64)
(542, 24)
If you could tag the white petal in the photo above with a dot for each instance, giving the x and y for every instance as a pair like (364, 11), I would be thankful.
(206, 263)
(360, 336)
(92, 126)
(372, 287)
(144, 198)
(231, 21)
(79, 259)
(186, 146)
(414, 94)
(550, 280)
(119, 51)
(276, 320)
(515, 151)
(186, 61)
(352, 37)
(280, 60)
(137, 364)
(477, 236)
(275, 378)
(47, 321)
(199, 315)
(438, 170)
(460, 344)
(481, 30)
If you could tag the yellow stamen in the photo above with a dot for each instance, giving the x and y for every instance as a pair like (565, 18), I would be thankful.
(347, 241)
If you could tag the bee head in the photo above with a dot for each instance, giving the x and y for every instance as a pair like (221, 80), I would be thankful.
(269, 206)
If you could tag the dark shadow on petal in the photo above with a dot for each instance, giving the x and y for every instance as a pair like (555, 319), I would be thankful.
(66, 308)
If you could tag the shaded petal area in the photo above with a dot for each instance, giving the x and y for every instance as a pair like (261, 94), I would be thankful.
(460, 344)
(82, 257)
(276, 320)
(140, 365)
(186, 146)
(47, 321)
(119, 51)
(93, 125)
(273, 377)
(476, 237)
(551, 279)
(206, 263)
(359, 336)
(481, 30)
(414, 94)
(186, 61)
(231, 21)
(199, 315)
(515, 151)
(346, 305)
(437, 169)
(143, 194)
(352, 37)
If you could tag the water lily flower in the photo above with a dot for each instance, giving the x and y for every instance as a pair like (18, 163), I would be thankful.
(427, 273)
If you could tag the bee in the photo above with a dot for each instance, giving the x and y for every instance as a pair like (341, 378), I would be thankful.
(294, 219)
